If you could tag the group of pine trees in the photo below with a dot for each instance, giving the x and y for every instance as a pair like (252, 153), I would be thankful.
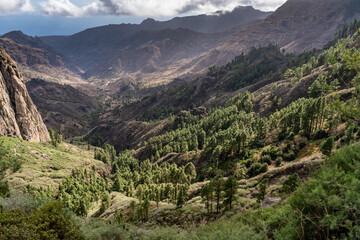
(219, 194)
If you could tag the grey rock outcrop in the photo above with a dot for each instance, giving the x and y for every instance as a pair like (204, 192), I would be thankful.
(18, 114)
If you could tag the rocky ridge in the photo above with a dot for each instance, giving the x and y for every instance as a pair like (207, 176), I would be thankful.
(18, 114)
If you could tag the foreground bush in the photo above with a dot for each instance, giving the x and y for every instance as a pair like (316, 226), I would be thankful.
(47, 223)
(327, 206)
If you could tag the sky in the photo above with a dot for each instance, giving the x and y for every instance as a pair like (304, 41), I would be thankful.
(64, 17)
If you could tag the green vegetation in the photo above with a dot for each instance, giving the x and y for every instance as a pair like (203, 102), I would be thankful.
(56, 138)
(246, 174)
(48, 222)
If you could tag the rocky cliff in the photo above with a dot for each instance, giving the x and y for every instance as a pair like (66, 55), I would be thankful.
(18, 114)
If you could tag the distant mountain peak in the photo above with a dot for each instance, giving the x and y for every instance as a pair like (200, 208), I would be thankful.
(148, 20)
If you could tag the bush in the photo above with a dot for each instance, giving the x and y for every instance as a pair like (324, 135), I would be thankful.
(326, 207)
(320, 134)
(327, 146)
(17, 199)
(291, 184)
(278, 161)
(4, 189)
(257, 169)
(290, 156)
(48, 223)
(265, 159)
(56, 138)
(101, 230)
(223, 230)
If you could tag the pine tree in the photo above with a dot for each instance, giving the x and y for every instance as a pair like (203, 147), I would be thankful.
(327, 146)
(190, 171)
(218, 184)
(262, 190)
(206, 194)
(230, 189)
(181, 198)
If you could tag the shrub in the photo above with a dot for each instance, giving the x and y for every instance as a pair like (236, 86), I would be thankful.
(4, 189)
(320, 134)
(278, 161)
(265, 159)
(291, 184)
(47, 223)
(257, 169)
(56, 138)
(262, 190)
(327, 146)
(290, 156)
(326, 207)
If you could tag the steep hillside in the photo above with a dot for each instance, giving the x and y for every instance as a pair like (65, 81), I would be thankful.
(153, 56)
(297, 26)
(151, 50)
(256, 72)
(37, 59)
(43, 165)
(18, 114)
(63, 108)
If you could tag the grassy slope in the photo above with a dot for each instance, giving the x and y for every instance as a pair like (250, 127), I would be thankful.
(45, 165)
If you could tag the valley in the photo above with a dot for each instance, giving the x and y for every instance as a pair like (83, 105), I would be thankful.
(232, 125)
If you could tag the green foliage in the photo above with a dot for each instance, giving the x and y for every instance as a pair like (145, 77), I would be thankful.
(78, 191)
(262, 186)
(7, 161)
(56, 138)
(223, 230)
(157, 114)
(106, 155)
(305, 115)
(320, 87)
(48, 222)
(4, 189)
(148, 180)
(291, 183)
(327, 146)
(96, 140)
(207, 196)
(326, 207)
(349, 29)
(105, 202)
(258, 63)
(104, 230)
(257, 169)
(230, 191)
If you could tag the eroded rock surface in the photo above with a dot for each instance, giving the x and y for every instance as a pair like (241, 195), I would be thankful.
(18, 114)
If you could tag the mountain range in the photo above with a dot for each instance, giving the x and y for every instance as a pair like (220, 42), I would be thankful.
(120, 62)
(155, 52)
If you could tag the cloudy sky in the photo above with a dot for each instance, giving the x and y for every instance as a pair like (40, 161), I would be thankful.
(49, 17)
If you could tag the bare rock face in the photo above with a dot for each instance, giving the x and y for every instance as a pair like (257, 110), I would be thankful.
(18, 114)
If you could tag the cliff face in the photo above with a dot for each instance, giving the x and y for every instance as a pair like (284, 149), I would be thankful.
(18, 114)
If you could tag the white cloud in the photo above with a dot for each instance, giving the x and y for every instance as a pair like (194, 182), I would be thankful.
(61, 8)
(150, 8)
(267, 5)
(15, 6)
